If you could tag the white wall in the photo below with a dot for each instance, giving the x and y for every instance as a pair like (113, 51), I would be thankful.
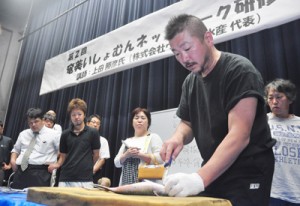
(9, 51)
(164, 124)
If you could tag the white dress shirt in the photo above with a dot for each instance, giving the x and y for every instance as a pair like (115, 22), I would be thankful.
(45, 150)
(104, 150)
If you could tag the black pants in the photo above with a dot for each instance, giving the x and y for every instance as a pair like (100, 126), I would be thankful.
(97, 176)
(1, 176)
(247, 182)
(33, 176)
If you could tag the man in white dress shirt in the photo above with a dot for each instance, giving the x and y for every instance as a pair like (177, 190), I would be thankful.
(95, 122)
(34, 170)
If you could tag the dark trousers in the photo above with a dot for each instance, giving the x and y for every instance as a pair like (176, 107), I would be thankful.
(247, 182)
(97, 176)
(1, 176)
(4, 176)
(278, 202)
(33, 176)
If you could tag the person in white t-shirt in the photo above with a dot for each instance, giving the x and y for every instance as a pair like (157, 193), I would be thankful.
(49, 120)
(95, 122)
(142, 148)
(55, 126)
(285, 128)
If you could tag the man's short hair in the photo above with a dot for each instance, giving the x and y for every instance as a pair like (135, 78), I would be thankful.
(89, 119)
(49, 117)
(77, 104)
(34, 113)
(182, 22)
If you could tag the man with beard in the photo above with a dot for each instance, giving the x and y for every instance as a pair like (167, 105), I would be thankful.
(79, 149)
(222, 106)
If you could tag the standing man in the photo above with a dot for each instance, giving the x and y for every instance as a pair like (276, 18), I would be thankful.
(55, 126)
(94, 121)
(6, 146)
(49, 121)
(222, 106)
(34, 152)
(79, 149)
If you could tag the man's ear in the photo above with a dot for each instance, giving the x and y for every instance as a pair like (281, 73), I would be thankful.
(208, 37)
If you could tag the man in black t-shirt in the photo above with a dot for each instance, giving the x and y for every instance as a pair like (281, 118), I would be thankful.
(222, 106)
(79, 149)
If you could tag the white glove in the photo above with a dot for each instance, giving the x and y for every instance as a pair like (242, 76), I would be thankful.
(182, 185)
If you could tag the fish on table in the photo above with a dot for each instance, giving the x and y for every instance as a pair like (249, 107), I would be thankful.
(140, 188)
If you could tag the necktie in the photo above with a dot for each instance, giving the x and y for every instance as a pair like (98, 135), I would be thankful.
(24, 163)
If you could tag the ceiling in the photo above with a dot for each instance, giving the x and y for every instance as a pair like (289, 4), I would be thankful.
(14, 13)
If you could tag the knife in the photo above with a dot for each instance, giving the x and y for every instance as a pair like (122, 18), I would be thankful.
(167, 165)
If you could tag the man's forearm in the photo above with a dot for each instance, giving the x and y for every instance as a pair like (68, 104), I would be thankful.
(99, 164)
(185, 131)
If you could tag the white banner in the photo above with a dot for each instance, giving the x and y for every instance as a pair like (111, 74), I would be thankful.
(142, 41)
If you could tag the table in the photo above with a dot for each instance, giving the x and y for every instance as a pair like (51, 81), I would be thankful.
(65, 196)
(13, 198)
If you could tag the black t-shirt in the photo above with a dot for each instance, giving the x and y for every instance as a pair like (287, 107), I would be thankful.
(78, 166)
(206, 102)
